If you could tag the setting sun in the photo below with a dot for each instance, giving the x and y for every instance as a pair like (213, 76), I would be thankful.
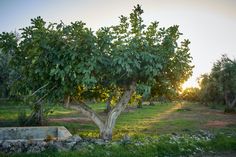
(190, 83)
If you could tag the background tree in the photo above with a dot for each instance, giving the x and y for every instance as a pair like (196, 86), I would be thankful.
(175, 72)
(220, 85)
(4, 77)
(8, 75)
(56, 59)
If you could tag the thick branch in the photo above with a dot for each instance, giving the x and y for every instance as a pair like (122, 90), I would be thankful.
(88, 112)
(120, 106)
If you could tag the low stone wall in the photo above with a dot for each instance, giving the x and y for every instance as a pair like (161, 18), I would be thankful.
(37, 146)
(34, 133)
(35, 139)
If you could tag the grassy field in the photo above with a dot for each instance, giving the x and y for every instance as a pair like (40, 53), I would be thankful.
(163, 118)
(173, 118)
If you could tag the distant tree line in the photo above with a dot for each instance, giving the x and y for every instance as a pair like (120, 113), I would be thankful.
(219, 86)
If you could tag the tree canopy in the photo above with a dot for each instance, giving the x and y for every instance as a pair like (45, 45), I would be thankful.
(57, 59)
(220, 84)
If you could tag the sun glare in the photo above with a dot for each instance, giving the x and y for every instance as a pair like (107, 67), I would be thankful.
(190, 83)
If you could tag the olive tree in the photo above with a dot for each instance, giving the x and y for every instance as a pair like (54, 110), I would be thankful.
(57, 60)
(220, 84)
(224, 73)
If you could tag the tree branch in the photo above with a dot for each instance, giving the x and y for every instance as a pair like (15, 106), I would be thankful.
(120, 106)
(81, 106)
(39, 89)
(40, 99)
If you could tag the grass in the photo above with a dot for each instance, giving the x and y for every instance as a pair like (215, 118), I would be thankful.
(163, 118)
(150, 121)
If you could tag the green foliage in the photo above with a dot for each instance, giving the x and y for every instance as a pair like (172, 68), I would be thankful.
(8, 75)
(67, 56)
(220, 85)
(210, 90)
(223, 142)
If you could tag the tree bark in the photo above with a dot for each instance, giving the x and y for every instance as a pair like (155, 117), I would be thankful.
(87, 111)
(66, 101)
(106, 132)
(106, 127)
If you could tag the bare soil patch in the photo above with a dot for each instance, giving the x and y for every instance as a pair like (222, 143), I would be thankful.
(218, 124)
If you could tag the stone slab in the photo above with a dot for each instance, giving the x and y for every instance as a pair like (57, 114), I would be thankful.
(34, 133)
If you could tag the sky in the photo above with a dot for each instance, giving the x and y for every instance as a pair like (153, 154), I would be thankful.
(210, 25)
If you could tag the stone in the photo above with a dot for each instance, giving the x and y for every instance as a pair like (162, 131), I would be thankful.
(81, 145)
(100, 142)
(34, 133)
(69, 145)
(138, 143)
(76, 138)
(58, 146)
(37, 146)
(6, 144)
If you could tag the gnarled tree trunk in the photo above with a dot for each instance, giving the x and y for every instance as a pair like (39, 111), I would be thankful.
(106, 132)
(106, 126)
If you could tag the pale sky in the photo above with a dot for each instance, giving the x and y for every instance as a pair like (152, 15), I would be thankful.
(210, 25)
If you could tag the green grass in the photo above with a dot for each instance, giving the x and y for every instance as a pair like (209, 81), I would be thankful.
(163, 118)
(150, 121)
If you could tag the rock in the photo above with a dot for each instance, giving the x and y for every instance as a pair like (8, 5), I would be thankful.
(37, 146)
(69, 145)
(100, 142)
(76, 138)
(6, 146)
(17, 147)
(34, 149)
(81, 145)
(138, 143)
(58, 146)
